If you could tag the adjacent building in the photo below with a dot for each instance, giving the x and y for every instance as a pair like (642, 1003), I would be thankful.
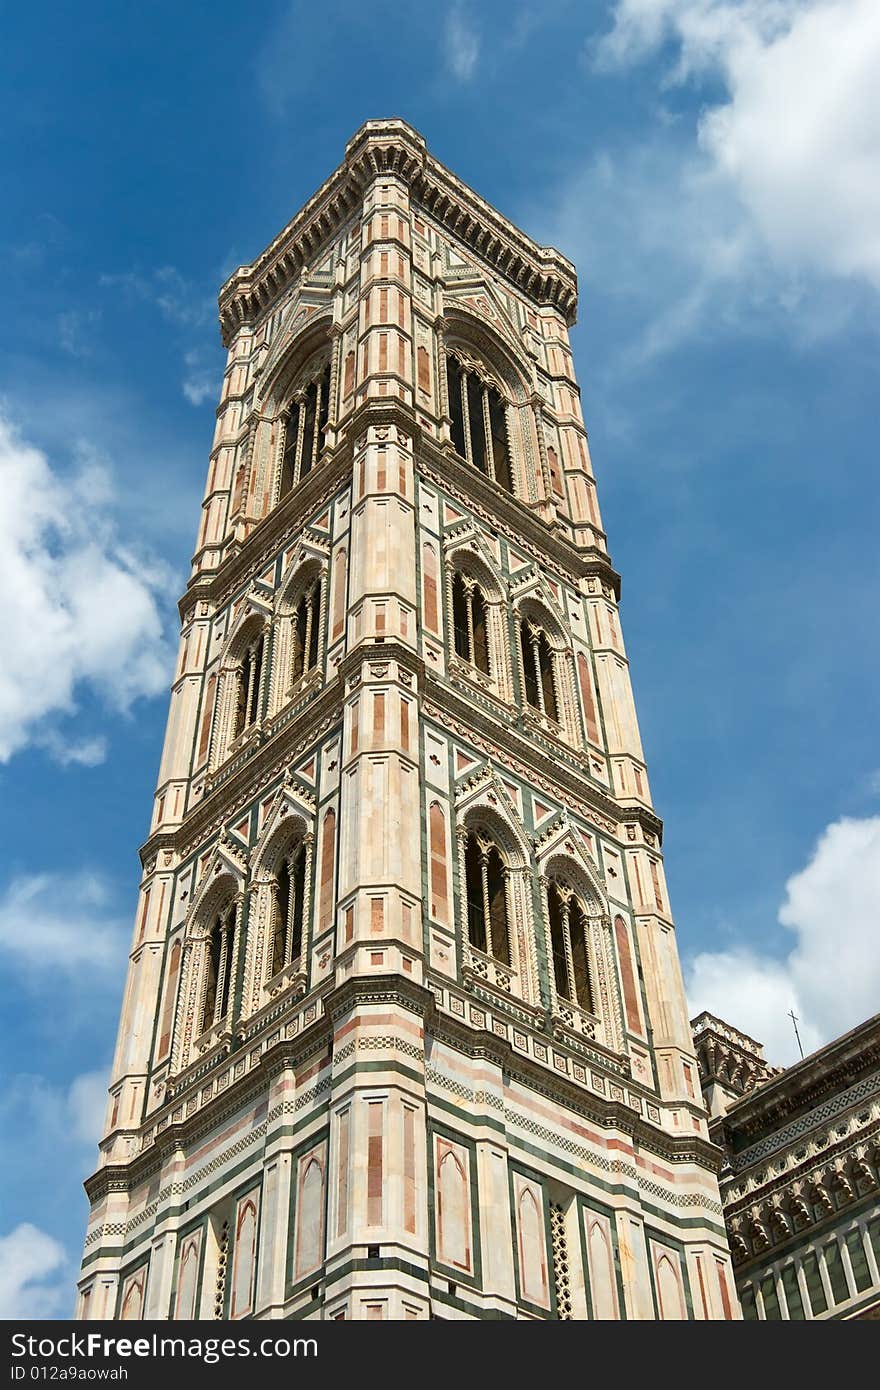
(404, 1033)
(800, 1181)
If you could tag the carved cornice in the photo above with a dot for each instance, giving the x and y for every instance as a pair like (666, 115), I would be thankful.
(801, 1087)
(284, 523)
(509, 516)
(267, 760)
(764, 1212)
(392, 147)
(317, 1036)
(519, 753)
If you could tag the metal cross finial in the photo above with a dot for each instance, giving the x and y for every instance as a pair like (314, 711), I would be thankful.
(795, 1020)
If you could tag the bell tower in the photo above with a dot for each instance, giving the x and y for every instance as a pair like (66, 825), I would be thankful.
(404, 1033)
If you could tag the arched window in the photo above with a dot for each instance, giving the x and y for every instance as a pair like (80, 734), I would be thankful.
(219, 967)
(305, 630)
(469, 622)
(479, 422)
(304, 435)
(486, 894)
(537, 666)
(249, 687)
(569, 929)
(289, 890)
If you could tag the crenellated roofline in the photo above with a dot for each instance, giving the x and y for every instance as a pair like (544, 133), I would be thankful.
(541, 273)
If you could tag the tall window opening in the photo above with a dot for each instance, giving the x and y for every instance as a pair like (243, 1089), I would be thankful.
(289, 895)
(305, 630)
(249, 686)
(569, 928)
(486, 894)
(537, 666)
(469, 622)
(304, 436)
(478, 413)
(219, 966)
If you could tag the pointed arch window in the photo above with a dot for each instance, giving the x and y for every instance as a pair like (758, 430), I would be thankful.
(470, 622)
(249, 686)
(304, 433)
(218, 980)
(305, 630)
(479, 427)
(486, 894)
(539, 681)
(288, 889)
(569, 934)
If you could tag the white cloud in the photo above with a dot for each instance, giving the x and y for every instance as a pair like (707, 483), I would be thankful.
(54, 923)
(176, 298)
(67, 1118)
(88, 752)
(28, 1256)
(200, 382)
(50, 1132)
(78, 607)
(462, 44)
(87, 1105)
(74, 331)
(796, 140)
(831, 976)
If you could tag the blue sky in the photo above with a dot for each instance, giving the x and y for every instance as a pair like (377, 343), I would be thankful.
(710, 165)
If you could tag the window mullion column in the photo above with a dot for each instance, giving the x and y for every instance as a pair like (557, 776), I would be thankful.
(310, 617)
(487, 431)
(569, 954)
(466, 418)
(535, 643)
(288, 915)
(316, 436)
(469, 608)
(298, 653)
(484, 875)
(249, 694)
(300, 433)
(222, 966)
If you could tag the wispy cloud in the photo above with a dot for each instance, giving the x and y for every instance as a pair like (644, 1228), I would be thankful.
(796, 136)
(74, 331)
(80, 607)
(86, 752)
(177, 299)
(462, 44)
(200, 382)
(762, 210)
(32, 1274)
(53, 924)
(60, 1125)
(831, 975)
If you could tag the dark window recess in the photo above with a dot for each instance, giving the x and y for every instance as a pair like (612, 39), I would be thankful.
(836, 1274)
(793, 1294)
(486, 894)
(536, 655)
(572, 978)
(304, 436)
(474, 404)
(247, 695)
(305, 635)
(771, 1302)
(219, 968)
(469, 622)
(815, 1289)
(858, 1260)
(290, 881)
